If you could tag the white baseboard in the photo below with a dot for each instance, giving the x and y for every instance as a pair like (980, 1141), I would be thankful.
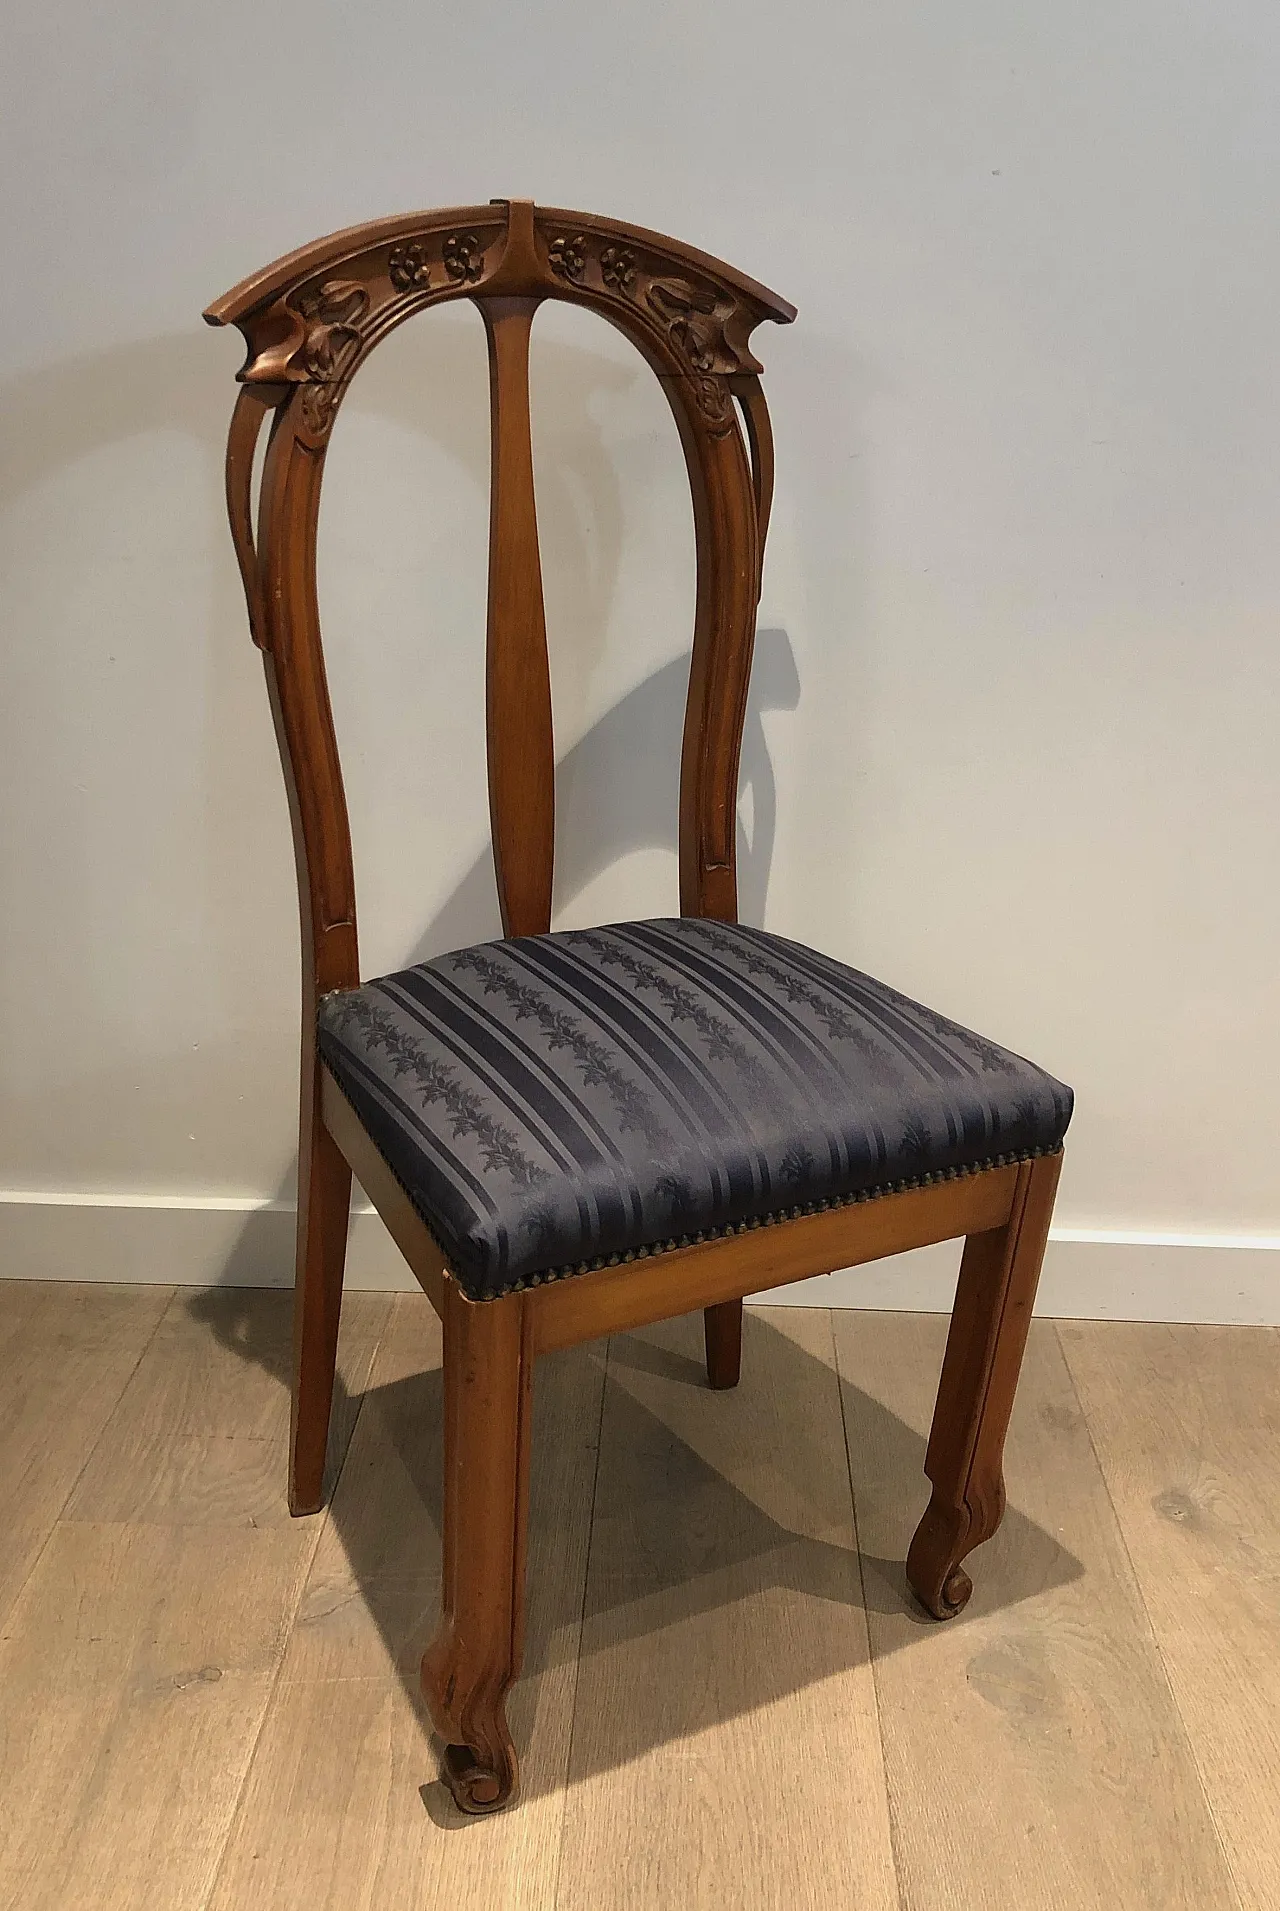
(156, 1239)
(1089, 1273)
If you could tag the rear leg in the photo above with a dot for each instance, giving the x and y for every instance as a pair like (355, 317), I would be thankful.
(722, 1328)
(324, 1200)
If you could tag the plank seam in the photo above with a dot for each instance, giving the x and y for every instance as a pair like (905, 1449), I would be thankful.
(890, 1814)
(582, 1623)
(219, 1863)
(1165, 1674)
(93, 1446)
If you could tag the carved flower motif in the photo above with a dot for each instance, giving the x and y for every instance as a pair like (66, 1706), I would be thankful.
(714, 403)
(694, 325)
(569, 256)
(463, 259)
(319, 402)
(333, 312)
(408, 267)
(618, 268)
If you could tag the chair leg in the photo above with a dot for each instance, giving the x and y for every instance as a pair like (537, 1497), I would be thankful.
(989, 1326)
(722, 1328)
(324, 1201)
(475, 1656)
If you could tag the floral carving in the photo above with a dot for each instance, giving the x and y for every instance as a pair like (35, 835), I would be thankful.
(693, 315)
(319, 403)
(463, 259)
(332, 313)
(715, 403)
(618, 268)
(408, 268)
(694, 322)
(568, 257)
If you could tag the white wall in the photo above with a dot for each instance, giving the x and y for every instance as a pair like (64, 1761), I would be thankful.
(1014, 744)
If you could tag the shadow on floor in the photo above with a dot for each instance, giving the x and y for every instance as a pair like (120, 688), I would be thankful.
(673, 1537)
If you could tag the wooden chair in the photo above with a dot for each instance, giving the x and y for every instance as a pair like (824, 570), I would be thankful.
(572, 1135)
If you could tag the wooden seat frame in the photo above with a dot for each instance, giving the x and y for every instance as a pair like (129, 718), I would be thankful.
(309, 321)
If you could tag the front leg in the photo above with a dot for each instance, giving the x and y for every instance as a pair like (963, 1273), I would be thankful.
(475, 1656)
(989, 1325)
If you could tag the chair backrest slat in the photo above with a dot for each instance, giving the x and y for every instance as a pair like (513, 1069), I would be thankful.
(517, 672)
(310, 320)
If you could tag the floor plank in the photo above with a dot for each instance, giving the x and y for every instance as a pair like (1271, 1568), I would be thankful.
(725, 1745)
(134, 1671)
(343, 1807)
(1033, 1750)
(136, 1668)
(1186, 1422)
(204, 1705)
(200, 1434)
(66, 1354)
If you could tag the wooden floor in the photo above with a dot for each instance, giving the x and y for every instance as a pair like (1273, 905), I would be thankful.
(728, 1699)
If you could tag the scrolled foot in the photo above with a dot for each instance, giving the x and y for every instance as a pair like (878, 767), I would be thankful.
(934, 1572)
(466, 1705)
(477, 1785)
(951, 1597)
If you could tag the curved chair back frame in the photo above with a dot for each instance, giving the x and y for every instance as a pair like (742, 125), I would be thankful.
(309, 322)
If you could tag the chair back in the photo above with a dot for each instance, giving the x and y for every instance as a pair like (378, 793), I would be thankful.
(310, 320)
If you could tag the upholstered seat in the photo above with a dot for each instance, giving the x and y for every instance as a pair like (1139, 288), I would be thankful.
(554, 1103)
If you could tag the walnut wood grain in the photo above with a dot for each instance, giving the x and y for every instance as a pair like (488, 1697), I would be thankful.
(324, 1211)
(470, 1665)
(755, 414)
(989, 1326)
(252, 407)
(309, 322)
(616, 1299)
(294, 664)
(722, 1340)
(517, 674)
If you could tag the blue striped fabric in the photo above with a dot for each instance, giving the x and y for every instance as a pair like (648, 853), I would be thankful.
(556, 1103)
